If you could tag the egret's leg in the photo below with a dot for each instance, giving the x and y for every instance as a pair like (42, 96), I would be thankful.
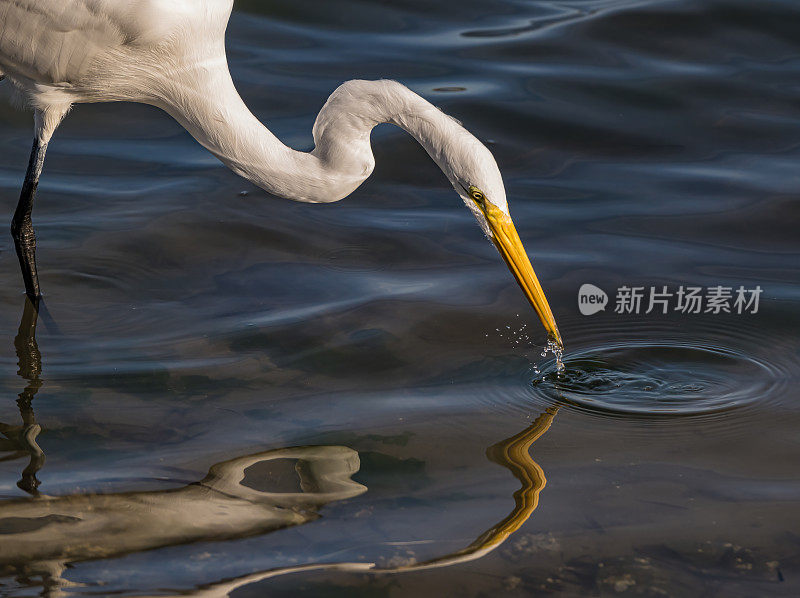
(46, 119)
(22, 226)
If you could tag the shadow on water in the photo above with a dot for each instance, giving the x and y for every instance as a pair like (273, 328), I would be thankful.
(43, 534)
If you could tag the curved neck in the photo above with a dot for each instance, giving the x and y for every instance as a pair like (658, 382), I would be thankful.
(216, 116)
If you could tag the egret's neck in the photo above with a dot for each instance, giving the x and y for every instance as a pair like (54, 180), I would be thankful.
(214, 114)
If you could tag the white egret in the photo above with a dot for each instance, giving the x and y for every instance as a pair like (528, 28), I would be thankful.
(171, 54)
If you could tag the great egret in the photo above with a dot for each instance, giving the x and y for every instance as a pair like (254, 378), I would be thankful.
(172, 55)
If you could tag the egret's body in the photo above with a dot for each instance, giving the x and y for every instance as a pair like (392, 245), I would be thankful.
(171, 54)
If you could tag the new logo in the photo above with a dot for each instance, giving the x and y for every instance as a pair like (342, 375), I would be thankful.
(591, 299)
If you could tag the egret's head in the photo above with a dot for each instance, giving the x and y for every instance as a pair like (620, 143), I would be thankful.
(477, 180)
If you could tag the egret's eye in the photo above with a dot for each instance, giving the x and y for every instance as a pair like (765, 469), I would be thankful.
(477, 195)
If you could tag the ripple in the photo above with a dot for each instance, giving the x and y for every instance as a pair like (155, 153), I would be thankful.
(673, 379)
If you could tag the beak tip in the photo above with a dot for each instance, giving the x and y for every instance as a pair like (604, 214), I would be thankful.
(555, 337)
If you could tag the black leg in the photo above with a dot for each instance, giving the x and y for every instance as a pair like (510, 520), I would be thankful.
(22, 226)
(29, 359)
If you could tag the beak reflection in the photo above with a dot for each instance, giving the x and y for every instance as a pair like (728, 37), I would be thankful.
(220, 506)
(514, 454)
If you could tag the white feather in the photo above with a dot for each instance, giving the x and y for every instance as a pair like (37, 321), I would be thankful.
(171, 54)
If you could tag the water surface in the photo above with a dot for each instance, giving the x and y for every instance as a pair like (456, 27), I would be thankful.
(370, 372)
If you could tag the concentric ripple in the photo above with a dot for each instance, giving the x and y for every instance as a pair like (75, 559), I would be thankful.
(659, 379)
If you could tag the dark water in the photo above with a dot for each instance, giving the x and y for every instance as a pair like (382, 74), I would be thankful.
(189, 328)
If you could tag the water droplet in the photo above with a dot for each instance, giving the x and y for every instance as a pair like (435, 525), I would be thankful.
(557, 351)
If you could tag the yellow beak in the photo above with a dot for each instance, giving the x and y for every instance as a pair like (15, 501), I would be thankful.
(507, 241)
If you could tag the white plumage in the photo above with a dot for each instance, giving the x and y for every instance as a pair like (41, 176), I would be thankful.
(171, 54)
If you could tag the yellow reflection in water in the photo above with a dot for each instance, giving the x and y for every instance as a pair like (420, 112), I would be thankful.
(42, 534)
(514, 454)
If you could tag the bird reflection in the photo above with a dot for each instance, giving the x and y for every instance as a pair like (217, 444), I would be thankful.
(20, 440)
(512, 453)
(41, 535)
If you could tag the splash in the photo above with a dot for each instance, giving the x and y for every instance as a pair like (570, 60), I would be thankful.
(517, 335)
(557, 351)
(520, 336)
